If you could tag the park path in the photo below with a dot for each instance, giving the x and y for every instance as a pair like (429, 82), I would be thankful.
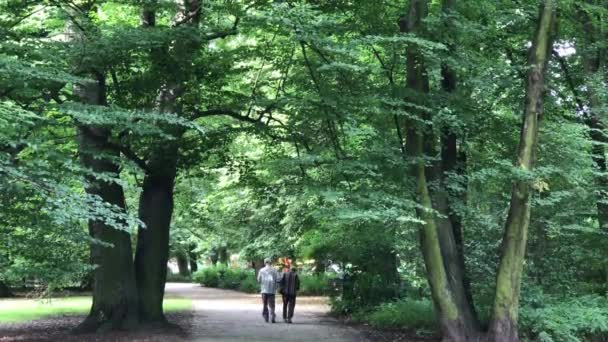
(223, 315)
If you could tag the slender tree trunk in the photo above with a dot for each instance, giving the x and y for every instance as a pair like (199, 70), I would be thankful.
(503, 326)
(592, 63)
(114, 295)
(223, 255)
(438, 243)
(257, 264)
(182, 264)
(214, 256)
(453, 162)
(193, 256)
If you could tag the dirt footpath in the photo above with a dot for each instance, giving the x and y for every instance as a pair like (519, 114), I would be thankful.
(222, 315)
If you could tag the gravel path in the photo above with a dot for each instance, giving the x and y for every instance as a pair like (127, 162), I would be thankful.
(222, 315)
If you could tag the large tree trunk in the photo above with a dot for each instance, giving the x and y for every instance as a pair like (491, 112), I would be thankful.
(438, 243)
(114, 296)
(5, 291)
(156, 200)
(155, 211)
(503, 326)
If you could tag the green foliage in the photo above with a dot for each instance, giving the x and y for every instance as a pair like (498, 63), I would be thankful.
(316, 285)
(290, 132)
(406, 314)
(572, 319)
(208, 276)
(249, 284)
(227, 278)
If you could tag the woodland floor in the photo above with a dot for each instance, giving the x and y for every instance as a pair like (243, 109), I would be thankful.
(217, 315)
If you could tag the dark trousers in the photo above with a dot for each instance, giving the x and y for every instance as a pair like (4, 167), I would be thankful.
(289, 304)
(268, 301)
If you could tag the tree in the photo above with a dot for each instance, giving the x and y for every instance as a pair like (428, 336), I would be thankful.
(508, 283)
(114, 294)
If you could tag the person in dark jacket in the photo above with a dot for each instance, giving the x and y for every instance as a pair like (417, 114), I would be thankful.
(290, 284)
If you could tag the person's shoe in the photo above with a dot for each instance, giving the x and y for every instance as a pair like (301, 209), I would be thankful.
(273, 320)
(265, 318)
(285, 320)
(289, 321)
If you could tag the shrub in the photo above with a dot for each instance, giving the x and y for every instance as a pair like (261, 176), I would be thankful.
(226, 278)
(571, 319)
(406, 314)
(315, 285)
(249, 284)
(208, 276)
(231, 278)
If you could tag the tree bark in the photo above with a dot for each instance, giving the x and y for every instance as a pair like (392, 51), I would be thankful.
(214, 256)
(182, 264)
(223, 255)
(5, 291)
(114, 295)
(155, 211)
(257, 265)
(453, 162)
(156, 200)
(592, 65)
(438, 243)
(193, 257)
(503, 326)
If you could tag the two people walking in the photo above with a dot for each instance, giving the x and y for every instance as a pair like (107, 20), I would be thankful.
(288, 284)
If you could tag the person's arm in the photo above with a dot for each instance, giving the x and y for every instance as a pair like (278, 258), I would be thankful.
(259, 278)
(297, 283)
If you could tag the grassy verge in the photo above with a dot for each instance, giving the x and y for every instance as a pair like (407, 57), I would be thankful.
(20, 310)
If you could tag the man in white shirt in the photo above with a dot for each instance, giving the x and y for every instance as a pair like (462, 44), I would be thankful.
(268, 277)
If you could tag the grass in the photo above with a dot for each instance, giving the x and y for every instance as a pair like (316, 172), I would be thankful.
(20, 310)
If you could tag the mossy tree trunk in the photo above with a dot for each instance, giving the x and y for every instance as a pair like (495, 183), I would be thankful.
(114, 294)
(503, 326)
(438, 243)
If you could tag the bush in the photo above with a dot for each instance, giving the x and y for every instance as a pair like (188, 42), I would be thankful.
(231, 278)
(570, 319)
(407, 314)
(226, 278)
(249, 284)
(315, 285)
(208, 276)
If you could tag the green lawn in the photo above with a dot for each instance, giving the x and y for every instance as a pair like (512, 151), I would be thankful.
(18, 310)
